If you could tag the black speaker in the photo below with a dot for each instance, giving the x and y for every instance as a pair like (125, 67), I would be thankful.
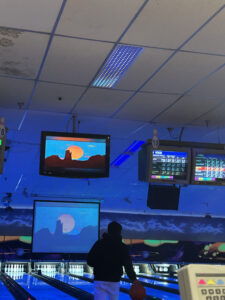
(163, 197)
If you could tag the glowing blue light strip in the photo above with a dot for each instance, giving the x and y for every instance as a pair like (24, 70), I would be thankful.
(122, 159)
(137, 146)
(127, 153)
(116, 65)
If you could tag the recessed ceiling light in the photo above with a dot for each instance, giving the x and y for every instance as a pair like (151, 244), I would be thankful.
(116, 65)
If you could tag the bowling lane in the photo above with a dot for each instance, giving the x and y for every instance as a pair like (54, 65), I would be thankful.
(5, 294)
(155, 293)
(39, 289)
(149, 291)
(84, 285)
(81, 284)
(159, 283)
(161, 277)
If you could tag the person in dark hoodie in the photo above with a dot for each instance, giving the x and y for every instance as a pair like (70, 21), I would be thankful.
(108, 256)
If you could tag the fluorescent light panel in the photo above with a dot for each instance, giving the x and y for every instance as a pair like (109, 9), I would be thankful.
(116, 65)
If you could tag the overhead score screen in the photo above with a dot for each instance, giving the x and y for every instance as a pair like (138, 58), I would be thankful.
(209, 168)
(169, 165)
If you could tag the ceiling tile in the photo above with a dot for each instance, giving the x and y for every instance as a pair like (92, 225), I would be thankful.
(47, 94)
(101, 102)
(187, 109)
(97, 19)
(144, 65)
(21, 53)
(213, 87)
(145, 106)
(168, 24)
(214, 117)
(115, 127)
(182, 72)
(211, 38)
(121, 129)
(13, 91)
(74, 61)
(29, 14)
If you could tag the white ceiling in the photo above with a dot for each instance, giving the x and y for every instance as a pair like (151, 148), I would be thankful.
(52, 49)
(61, 46)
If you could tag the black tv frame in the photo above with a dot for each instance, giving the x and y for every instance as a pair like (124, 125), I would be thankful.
(206, 151)
(69, 254)
(68, 174)
(169, 148)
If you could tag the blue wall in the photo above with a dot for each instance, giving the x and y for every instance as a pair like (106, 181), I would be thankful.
(135, 226)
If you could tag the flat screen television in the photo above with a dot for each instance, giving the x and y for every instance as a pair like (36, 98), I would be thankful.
(64, 227)
(74, 155)
(208, 167)
(169, 165)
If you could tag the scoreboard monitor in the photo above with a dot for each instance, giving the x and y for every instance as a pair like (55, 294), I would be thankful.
(170, 165)
(208, 167)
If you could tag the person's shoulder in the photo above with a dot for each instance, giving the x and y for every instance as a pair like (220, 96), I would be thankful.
(124, 246)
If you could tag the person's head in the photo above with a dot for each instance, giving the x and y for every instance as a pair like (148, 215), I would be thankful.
(114, 229)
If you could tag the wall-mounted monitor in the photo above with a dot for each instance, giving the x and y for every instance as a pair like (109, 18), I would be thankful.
(74, 155)
(169, 165)
(208, 167)
(64, 227)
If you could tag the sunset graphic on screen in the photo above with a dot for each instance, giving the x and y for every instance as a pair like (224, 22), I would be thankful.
(74, 153)
(68, 222)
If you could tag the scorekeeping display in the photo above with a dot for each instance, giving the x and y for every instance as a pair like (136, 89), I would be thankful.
(169, 165)
(209, 167)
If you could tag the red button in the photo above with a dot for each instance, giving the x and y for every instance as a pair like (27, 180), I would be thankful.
(201, 281)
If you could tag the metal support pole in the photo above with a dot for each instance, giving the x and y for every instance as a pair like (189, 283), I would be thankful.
(74, 123)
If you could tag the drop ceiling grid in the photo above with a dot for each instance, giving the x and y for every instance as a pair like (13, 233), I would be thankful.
(182, 72)
(214, 117)
(170, 57)
(97, 19)
(29, 14)
(101, 102)
(21, 53)
(188, 108)
(213, 87)
(46, 97)
(167, 23)
(211, 38)
(52, 70)
(145, 106)
(145, 64)
(121, 129)
(74, 61)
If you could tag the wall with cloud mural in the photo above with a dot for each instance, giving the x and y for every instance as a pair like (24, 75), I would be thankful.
(136, 226)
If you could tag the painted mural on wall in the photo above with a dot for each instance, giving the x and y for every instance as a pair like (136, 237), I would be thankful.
(136, 226)
(152, 251)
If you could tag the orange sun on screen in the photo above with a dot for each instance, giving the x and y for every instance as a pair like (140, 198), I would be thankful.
(76, 152)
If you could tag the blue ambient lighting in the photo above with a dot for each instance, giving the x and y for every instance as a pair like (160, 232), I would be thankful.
(116, 65)
(127, 153)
